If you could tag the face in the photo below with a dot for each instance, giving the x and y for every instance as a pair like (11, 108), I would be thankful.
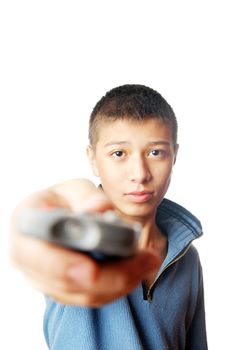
(134, 160)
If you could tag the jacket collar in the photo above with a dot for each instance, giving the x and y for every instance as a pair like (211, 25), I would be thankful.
(180, 226)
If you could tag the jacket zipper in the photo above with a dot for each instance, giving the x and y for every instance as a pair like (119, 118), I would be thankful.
(149, 294)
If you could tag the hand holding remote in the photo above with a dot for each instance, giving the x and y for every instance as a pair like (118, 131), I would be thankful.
(66, 275)
(104, 236)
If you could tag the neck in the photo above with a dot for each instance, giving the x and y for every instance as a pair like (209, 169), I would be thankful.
(153, 239)
(151, 235)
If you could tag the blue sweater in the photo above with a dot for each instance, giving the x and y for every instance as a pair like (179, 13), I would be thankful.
(169, 316)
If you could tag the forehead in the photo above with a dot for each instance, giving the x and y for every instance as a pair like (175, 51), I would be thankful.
(148, 130)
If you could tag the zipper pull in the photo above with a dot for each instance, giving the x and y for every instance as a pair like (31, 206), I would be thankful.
(149, 296)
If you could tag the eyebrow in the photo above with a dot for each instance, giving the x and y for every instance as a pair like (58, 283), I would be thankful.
(152, 143)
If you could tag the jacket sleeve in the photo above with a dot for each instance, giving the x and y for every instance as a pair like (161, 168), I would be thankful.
(196, 335)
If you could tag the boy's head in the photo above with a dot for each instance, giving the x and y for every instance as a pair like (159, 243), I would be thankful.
(133, 148)
(133, 102)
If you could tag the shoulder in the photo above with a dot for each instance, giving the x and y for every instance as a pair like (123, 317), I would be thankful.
(191, 262)
(193, 253)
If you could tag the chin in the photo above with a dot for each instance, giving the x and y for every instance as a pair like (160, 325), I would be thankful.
(137, 210)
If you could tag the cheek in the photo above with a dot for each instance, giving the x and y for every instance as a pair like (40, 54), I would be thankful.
(112, 179)
(109, 172)
(168, 172)
(108, 169)
(162, 175)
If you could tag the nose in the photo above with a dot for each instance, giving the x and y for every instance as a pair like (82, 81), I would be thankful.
(139, 171)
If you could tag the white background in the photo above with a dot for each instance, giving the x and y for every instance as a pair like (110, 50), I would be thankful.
(57, 59)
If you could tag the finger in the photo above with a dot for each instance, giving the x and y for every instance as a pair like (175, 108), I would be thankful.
(129, 273)
(118, 278)
(50, 260)
(80, 286)
(83, 275)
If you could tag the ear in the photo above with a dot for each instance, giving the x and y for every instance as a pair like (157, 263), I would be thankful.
(176, 152)
(92, 159)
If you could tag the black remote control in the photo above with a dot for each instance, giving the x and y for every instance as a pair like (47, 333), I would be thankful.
(103, 236)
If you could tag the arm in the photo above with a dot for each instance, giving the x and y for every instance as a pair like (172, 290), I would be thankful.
(69, 277)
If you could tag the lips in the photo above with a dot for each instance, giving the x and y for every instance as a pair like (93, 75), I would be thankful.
(139, 196)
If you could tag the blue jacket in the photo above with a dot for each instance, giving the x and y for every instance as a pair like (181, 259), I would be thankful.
(169, 316)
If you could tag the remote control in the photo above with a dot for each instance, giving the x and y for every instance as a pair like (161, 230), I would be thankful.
(103, 236)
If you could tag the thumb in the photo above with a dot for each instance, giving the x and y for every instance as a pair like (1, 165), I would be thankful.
(97, 202)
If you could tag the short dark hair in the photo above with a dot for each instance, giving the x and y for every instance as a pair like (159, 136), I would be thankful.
(131, 101)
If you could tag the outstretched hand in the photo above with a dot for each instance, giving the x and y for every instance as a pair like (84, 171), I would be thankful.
(72, 277)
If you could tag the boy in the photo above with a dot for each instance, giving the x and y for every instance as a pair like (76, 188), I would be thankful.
(154, 300)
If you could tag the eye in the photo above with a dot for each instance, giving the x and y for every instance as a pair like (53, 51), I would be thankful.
(157, 153)
(117, 154)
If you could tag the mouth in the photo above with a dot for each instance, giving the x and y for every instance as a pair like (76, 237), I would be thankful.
(139, 196)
